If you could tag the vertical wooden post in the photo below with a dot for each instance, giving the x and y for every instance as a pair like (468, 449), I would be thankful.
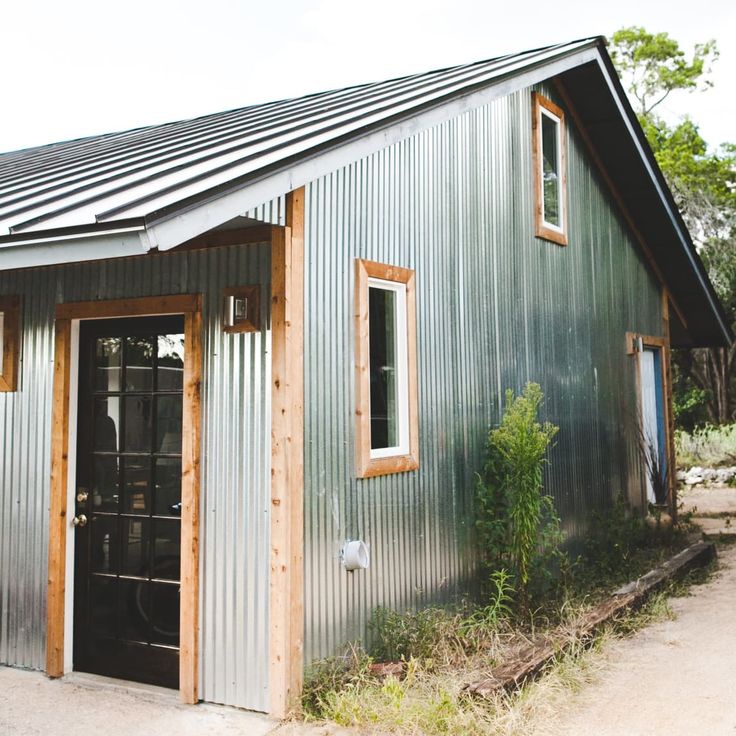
(669, 411)
(190, 482)
(58, 512)
(287, 459)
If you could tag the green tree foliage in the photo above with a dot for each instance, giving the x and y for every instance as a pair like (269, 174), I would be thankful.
(703, 181)
(516, 522)
(652, 65)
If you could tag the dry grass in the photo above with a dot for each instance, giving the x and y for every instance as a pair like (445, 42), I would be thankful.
(432, 702)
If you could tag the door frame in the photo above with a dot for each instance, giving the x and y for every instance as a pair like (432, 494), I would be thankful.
(63, 473)
(660, 344)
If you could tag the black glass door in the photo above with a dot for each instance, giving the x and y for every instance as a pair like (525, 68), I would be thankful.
(128, 507)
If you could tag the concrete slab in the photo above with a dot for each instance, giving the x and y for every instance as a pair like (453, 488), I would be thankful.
(86, 705)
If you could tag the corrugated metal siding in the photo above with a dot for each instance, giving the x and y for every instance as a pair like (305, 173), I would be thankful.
(235, 461)
(496, 307)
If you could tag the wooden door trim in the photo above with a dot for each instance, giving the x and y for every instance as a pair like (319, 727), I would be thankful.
(190, 305)
(287, 460)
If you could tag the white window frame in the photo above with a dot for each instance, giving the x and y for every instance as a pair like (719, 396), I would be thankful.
(402, 368)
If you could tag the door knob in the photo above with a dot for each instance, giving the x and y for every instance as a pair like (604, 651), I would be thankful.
(80, 520)
(82, 495)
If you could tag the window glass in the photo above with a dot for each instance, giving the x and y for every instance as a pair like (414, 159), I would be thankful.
(551, 170)
(2, 338)
(383, 367)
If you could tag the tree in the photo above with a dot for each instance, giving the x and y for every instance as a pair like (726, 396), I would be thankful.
(652, 65)
(703, 182)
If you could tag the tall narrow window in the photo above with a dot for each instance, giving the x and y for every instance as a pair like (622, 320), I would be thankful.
(550, 176)
(9, 341)
(387, 425)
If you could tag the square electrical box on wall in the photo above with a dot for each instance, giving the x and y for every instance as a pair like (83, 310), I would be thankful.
(241, 310)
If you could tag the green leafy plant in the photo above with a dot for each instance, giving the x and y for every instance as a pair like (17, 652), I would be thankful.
(488, 618)
(517, 524)
(325, 677)
(429, 635)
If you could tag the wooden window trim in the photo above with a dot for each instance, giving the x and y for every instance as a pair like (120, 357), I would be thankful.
(190, 305)
(368, 467)
(542, 230)
(10, 308)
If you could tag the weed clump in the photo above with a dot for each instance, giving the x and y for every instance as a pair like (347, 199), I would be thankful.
(518, 528)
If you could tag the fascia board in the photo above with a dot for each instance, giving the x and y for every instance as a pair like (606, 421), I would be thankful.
(32, 253)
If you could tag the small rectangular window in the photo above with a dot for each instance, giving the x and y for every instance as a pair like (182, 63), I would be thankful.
(9, 341)
(550, 176)
(387, 422)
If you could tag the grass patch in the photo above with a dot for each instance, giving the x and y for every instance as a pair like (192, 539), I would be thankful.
(708, 446)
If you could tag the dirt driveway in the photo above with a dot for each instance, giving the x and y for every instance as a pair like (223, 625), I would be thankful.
(675, 678)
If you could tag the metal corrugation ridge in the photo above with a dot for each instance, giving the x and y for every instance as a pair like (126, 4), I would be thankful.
(150, 168)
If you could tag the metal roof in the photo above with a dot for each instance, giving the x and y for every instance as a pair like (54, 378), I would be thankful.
(125, 193)
(126, 176)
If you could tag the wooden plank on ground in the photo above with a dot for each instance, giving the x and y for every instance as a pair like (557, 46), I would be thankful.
(529, 660)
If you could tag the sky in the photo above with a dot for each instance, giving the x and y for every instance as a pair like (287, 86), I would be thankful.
(73, 68)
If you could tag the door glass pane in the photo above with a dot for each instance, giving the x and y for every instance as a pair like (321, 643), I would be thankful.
(137, 485)
(170, 372)
(135, 609)
(165, 614)
(135, 539)
(550, 170)
(168, 487)
(102, 605)
(105, 488)
(138, 423)
(108, 363)
(168, 425)
(107, 424)
(105, 544)
(383, 367)
(138, 363)
(167, 551)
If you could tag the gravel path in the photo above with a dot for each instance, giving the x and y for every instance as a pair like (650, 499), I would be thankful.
(675, 678)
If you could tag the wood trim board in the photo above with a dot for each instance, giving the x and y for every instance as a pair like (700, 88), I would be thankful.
(10, 307)
(367, 467)
(190, 305)
(287, 460)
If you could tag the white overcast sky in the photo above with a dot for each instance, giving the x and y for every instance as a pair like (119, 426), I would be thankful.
(70, 68)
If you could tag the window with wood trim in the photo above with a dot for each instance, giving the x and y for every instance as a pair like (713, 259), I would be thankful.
(550, 170)
(386, 369)
(9, 342)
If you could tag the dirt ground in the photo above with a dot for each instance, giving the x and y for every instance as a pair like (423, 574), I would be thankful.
(677, 677)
